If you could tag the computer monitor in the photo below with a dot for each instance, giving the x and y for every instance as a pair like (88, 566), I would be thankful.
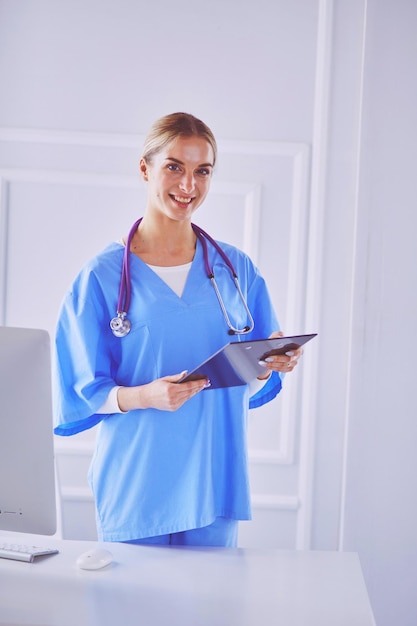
(27, 468)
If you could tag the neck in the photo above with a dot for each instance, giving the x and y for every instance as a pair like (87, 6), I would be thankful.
(164, 242)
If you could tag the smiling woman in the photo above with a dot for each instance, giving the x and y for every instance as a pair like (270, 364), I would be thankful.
(187, 172)
(178, 178)
(171, 463)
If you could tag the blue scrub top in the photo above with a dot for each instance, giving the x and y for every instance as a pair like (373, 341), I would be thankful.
(157, 472)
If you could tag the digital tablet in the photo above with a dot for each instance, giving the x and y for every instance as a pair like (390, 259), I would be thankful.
(237, 363)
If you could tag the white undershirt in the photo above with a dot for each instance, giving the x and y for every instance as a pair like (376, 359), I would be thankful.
(175, 277)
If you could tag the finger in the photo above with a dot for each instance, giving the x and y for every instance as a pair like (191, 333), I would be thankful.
(294, 355)
(276, 364)
(292, 363)
(189, 392)
(197, 385)
(176, 377)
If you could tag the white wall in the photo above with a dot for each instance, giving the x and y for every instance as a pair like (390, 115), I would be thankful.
(370, 388)
(379, 516)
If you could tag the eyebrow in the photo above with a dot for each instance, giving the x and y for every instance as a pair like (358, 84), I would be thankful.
(182, 163)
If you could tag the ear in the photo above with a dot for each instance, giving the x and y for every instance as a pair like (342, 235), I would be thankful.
(143, 169)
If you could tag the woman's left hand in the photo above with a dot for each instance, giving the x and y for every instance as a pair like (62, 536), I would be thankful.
(281, 362)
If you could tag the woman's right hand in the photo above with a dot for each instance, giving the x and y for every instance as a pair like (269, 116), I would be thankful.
(163, 393)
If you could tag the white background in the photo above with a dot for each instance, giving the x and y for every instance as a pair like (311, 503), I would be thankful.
(313, 104)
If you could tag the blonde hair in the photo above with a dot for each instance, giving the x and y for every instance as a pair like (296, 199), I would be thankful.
(174, 125)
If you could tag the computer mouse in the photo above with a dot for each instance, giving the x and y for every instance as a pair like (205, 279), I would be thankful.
(96, 558)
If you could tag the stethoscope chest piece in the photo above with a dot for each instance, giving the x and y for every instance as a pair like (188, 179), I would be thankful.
(120, 325)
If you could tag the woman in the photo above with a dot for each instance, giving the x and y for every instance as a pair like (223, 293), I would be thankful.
(170, 464)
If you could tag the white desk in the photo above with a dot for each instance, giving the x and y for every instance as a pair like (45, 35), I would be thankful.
(171, 586)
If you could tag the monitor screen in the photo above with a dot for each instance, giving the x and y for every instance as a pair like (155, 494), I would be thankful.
(27, 469)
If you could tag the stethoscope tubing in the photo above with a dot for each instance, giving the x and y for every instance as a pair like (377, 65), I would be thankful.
(120, 325)
(125, 290)
(203, 236)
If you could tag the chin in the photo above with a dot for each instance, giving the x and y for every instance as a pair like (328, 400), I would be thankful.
(180, 215)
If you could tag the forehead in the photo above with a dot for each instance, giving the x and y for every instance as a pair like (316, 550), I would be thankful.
(189, 149)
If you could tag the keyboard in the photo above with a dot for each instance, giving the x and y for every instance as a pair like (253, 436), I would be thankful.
(20, 552)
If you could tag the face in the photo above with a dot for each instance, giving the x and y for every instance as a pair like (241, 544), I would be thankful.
(179, 177)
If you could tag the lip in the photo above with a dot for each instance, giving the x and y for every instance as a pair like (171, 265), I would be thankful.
(183, 201)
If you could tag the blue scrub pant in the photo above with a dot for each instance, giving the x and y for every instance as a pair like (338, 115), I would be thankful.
(223, 533)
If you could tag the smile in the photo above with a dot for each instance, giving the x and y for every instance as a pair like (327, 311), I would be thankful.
(182, 200)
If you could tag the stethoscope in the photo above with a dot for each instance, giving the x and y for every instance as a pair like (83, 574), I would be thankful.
(120, 325)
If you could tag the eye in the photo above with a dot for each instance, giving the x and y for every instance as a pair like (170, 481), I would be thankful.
(173, 167)
(204, 171)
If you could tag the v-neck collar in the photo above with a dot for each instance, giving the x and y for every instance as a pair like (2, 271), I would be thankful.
(194, 275)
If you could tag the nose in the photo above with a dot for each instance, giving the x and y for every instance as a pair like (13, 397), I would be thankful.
(187, 182)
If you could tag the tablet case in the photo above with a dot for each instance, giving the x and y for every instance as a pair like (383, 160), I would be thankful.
(237, 363)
